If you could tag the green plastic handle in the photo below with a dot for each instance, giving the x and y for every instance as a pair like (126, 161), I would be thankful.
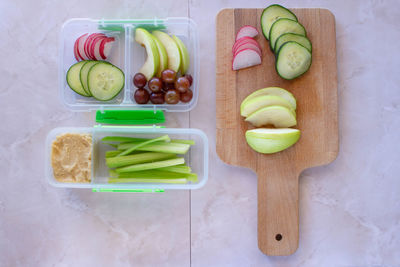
(130, 117)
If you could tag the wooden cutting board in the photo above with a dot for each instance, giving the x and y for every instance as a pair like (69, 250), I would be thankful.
(316, 94)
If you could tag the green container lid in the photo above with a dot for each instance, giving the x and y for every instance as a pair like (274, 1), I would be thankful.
(130, 117)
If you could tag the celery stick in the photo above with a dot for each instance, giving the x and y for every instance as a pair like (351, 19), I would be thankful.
(114, 153)
(123, 139)
(121, 161)
(158, 147)
(178, 168)
(192, 177)
(110, 144)
(154, 173)
(155, 181)
(135, 147)
(182, 141)
(153, 165)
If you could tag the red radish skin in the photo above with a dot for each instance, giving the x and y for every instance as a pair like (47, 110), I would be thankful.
(81, 42)
(105, 47)
(76, 50)
(244, 40)
(246, 58)
(248, 45)
(248, 31)
(95, 44)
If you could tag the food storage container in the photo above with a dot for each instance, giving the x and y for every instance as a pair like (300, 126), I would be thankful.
(196, 157)
(129, 56)
(126, 54)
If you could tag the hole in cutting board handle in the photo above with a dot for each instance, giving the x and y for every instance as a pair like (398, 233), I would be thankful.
(278, 237)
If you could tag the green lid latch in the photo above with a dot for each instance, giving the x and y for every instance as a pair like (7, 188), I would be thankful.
(130, 117)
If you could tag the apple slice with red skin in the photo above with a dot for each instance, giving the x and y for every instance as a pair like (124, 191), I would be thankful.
(105, 47)
(248, 45)
(244, 40)
(246, 58)
(247, 30)
(95, 46)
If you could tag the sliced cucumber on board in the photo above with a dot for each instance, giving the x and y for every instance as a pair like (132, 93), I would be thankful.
(73, 78)
(271, 14)
(105, 81)
(286, 37)
(292, 60)
(84, 74)
(282, 26)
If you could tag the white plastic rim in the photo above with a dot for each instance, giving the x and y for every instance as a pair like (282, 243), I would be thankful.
(197, 157)
(127, 55)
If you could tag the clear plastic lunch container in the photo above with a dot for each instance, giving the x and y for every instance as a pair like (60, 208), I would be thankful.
(196, 157)
(128, 55)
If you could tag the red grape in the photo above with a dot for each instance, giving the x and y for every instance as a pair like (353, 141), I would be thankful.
(172, 97)
(155, 84)
(168, 76)
(157, 98)
(182, 84)
(139, 80)
(190, 78)
(141, 96)
(187, 96)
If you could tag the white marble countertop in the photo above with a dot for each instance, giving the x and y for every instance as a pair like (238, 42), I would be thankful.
(349, 210)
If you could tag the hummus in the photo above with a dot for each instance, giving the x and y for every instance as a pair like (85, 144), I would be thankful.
(71, 158)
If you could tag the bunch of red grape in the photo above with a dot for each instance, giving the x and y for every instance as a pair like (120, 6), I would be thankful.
(168, 89)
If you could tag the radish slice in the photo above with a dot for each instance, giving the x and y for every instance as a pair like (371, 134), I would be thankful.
(95, 44)
(105, 47)
(89, 42)
(95, 49)
(247, 30)
(81, 42)
(245, 58)
(76, 50)
(248, 45)
(244, 40)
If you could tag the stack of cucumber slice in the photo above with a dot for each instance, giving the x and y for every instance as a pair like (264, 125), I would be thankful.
(99, 79)
(288, 40)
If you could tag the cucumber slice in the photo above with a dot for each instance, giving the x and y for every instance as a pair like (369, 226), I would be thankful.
(73, 79)
(271, 14)
(282, 26)
(84, 74)
(105, 81)
(286, 37)
(293, 60)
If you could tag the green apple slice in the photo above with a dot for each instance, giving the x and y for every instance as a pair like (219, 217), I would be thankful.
(173, 53)
(152, 63)
(277, 91)
(278, 116)
(184, 55)
(269, 141)
(262, 101)
(163, 56)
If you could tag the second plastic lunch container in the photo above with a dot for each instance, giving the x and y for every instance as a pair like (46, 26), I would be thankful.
(129, 56)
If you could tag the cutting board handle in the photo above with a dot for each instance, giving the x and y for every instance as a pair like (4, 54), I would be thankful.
(278, 211)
